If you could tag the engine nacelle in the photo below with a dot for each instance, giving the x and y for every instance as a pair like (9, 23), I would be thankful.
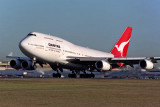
(102, 65)
(28, 65)
(146, 64)
(16, 64)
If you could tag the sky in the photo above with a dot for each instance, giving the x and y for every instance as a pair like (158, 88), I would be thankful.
(96, 24)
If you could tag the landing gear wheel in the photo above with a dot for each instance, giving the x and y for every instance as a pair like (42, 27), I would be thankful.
(57, 75)
(92, 75)
(72, 75)
(87, 75)
(82, 75)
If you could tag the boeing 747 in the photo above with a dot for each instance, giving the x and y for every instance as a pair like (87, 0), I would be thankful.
(61, 54)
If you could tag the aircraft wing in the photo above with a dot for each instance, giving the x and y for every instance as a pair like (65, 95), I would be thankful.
(133, 60)
(126, 60)
(20, 58)
(83, 59)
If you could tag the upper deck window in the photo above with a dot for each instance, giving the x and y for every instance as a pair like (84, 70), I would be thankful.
(31, 34)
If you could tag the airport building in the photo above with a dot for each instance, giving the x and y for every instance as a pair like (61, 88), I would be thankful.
(4, 65)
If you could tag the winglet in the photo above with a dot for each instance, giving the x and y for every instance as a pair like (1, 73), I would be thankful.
(121, 47)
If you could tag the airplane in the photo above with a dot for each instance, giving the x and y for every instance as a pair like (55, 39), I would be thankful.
(61, 54)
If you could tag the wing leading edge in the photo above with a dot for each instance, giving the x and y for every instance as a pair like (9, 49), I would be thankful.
(126, 60)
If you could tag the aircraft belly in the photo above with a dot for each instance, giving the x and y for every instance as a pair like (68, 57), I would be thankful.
(73, 66)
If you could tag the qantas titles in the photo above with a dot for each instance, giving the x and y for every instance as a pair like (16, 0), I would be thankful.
(54, 45)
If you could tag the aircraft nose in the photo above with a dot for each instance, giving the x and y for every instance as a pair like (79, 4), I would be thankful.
(23, 45)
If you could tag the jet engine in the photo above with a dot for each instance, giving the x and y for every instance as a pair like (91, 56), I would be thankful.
(28, 65)
(102, 65)
(16, 64)
(146, 64)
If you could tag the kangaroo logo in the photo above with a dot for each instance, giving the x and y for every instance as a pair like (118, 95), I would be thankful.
(121, 46)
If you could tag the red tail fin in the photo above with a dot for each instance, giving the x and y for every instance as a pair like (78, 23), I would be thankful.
(121, 47)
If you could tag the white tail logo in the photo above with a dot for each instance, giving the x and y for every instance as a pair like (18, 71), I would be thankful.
(121, 46)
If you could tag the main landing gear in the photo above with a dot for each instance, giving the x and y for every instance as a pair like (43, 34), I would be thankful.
(56, 75)
(87, 75)
(56, 68)
(73, 75)
(81, 76)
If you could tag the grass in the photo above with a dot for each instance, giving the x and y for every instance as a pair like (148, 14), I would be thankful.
(79, 92)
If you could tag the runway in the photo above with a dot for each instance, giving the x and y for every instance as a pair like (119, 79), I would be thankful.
(39, 74)
(108, 75)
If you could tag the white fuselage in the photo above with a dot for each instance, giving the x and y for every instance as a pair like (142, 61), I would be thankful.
(52, 49)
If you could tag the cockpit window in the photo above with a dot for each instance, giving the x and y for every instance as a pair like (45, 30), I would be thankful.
(31, 34)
